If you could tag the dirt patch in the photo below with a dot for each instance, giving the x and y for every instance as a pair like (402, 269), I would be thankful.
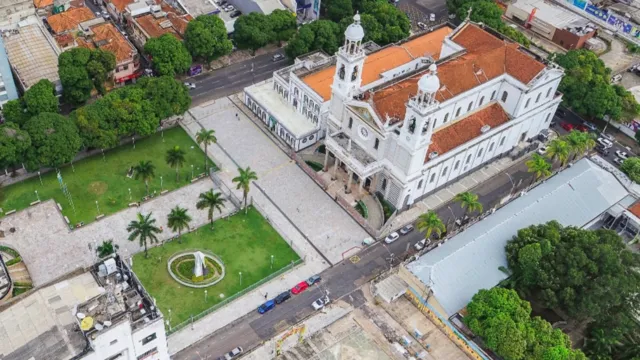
(98, 187)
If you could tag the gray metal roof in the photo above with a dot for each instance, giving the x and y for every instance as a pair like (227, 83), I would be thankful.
(469, 261)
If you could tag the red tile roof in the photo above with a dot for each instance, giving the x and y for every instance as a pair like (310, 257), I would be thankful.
(108, 38)
(487, 57)
(120, 5)
(466, 129)
(635, 209)
(39, 4)
(70, 19)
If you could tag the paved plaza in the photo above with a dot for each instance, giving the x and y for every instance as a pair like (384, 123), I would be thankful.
(50, 249)
(331, 230)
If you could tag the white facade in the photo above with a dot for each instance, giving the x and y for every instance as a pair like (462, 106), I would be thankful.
(445, 128)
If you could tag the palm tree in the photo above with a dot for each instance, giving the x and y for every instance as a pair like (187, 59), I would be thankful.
(206, 137)
(538, 165)
(469, 202)
(244, 180)
(558, 149)
(579, 142)
(175, 158)
(146, 171)
(430, 222)
(210, 201)
(178, 220)
(143, 229)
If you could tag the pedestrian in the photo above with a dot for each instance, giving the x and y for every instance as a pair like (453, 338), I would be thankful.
(265, 295)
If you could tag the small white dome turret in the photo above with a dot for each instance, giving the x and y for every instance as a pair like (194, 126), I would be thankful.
(429, 82)
(354, 31)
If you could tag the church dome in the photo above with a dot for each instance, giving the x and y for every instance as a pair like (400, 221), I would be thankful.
(429, 82)
(354, 31)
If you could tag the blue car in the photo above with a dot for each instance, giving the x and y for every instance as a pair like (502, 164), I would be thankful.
(267, 306)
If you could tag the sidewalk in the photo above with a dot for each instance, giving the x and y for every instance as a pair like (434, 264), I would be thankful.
(313, 261)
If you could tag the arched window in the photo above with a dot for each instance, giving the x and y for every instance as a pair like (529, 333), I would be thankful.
(458, 112)
(444, 171)
(354, 74)
(433, 178)
(502, 140)
(491, 146)
(341, 72)
(295, 92)
(350, 123)
(548, 92)
(295, 103)
(317, 108)
(315, 119)
(412, 124)
(481, 101)
(537, 98)
(306, 99)
(493, 95)
(468, 159)
(505, 95)
(384, 184)
(526, 105)
(469, 107)
(420, 184)
(457, 165)
(446, 118)
(480, 152)
(547, 119)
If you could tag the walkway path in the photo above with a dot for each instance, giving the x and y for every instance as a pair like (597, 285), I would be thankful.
(376, 217)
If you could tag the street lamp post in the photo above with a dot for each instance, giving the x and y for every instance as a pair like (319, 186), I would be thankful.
(205, 295)
(191, 171)
(160, 183)
(37, 196)
(130, 198)
(452, 213)
(133, 139)
(103, 158)
(271, 262)
(513, 184)
(240, 273)
(97, 207)
(40, 176)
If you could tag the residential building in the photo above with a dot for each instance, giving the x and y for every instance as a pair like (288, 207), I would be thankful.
(8, 90)
(307, 10)
(103, 313)
(14, 11)
(449, 275)
(117, 8)
(105, 36)
(68, 21)
(33, 55)
(552, 22)
(153, 21)
(410, 118)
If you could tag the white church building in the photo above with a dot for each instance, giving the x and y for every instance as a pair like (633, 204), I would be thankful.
(409, 118)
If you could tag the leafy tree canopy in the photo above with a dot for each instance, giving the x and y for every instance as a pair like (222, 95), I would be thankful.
(585, 273)
(253, 31)
(167, 95)
(392, 21)
(322, 35)
(206, 38)
(169, 55)
(13, 145)
(631, 167)
(37, 99)
(81, 70)
(283, 23)
(54, 140)
(336, 10)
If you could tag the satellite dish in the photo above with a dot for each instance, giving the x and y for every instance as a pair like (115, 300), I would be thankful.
(86, 324)
(81, 315)
(99, 326)
(107, 323)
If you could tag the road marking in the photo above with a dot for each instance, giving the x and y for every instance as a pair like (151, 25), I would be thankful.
(354, 259)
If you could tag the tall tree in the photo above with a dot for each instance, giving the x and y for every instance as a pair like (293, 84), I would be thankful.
(253, 31)
(169, 55)
(394, 23)
(469, 202)
(40, 98)
(336, 10)
(558, 150)
(283, 25)
(243, 181)
(15, 112)
(206, 137)
(539, 166)
(54, 140)
(322, 35)
(430, 222)
(178, 220)
(206, 37)
(175, 158)
(587, 274)
(81, 69)
(14, 144)
(146, 171)
(210, 201)
(167, 95)
(579, 142)
(143, 229)
(631, 167)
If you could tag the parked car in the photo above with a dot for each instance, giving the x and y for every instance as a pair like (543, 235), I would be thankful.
(432, 17)
(618, 161)
(422, 26)
(235, 14)
(391, 238)
(542, 150)
(233, 353)
(604, 142)
(616, 78)
(567, 126)
(560, 113)
(421, 244)
(368, 241)
(190, 85)
(622, 154)
(277, 57)
(582, 128)
(602, 150)
(282, 297)
(607, 136)
(230, 8)
(407, 229)
(312, 280)
(589, 125)
(266, 306)
(320, 303)
(302, 286)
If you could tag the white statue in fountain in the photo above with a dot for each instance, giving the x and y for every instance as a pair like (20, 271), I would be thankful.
(198, 269)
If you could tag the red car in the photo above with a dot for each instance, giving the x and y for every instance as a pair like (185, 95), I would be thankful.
(565, 125)
(582, 128)
(299, 288)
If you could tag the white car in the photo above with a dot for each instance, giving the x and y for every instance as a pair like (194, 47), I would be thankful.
(604, 142)
(190, 85)
(421, 244)
(432, 17)
(391, 238)
(618, 161)
(542, 150)
(230, 8)
(233, 353)
(320, 303)
(422, 26)
(622, 155)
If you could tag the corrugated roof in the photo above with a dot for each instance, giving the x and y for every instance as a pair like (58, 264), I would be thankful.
(32, 56)
(469, 261)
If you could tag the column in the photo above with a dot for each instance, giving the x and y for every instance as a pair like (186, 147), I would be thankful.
(348, 190)
(326, 159)
(335, 169)
(374, 183)
(360, 189)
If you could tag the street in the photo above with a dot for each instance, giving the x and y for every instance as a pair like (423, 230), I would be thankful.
(235, 77)
(344, 279)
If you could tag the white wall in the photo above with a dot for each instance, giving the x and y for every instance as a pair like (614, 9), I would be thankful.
(159, 343)
(113, 341)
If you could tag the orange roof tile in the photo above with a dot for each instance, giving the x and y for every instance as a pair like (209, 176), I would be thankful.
(635, 209)
(69, 19)
(121, 4)
(487, 57)
(107, 37)
(39, 4)
(383, 60)
(152, 27)
(467, 128)
(64, 40)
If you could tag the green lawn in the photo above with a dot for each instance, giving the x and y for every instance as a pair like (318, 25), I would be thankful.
(105, 179)
(245, 244)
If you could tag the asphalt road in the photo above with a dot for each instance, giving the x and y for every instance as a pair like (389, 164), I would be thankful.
(233, 78)
(344, 279)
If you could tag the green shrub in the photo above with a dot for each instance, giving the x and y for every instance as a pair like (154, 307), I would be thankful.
(22, 284)
(387, 207)
(107, 248)
(13, 261)
(19, 290)
(9, 251)
(316, 166)
(362, 209)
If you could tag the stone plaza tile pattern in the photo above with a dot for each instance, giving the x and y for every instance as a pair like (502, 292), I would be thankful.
(50, 250)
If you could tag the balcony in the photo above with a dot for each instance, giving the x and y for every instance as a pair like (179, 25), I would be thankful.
(354, 156)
